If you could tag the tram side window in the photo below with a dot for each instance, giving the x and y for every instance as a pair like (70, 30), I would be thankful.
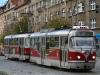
(64, 41)
(36, 43)
(21, 41)
(9, 41)
(54, 42)
(5, 41)
(71, 43)
(27, 42)
(47, 42)
(43, 41)
(32, 42)
(14, 41)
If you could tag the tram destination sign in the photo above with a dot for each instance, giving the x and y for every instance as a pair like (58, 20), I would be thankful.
(84, 33)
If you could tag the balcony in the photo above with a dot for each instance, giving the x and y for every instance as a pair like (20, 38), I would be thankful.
(40, 9)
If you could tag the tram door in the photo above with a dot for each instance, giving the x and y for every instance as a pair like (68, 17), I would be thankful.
(7, 48)
(21, 49)
(43, 49)
(64, 50)
(13, 48)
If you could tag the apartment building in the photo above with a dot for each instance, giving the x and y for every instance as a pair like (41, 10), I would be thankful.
(84, 12)
(7, 16)
(43, 10)
(78, 12)
(1, 20)
(98, 16)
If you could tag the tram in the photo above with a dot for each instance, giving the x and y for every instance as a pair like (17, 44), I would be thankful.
(69, 48)
(17, 46)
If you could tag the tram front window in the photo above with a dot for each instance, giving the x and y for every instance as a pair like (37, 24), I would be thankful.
(82, 42)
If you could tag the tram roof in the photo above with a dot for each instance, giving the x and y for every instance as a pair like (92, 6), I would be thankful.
(21, 35)
(9, 36)
(60, 32)
(98, 36)
(55, 33)
(37, 34)
(16, 36)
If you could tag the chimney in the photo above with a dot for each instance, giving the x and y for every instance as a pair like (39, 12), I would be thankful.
(15, 2)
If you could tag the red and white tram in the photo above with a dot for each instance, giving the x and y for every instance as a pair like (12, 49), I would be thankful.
(69, 48)
(17, 46)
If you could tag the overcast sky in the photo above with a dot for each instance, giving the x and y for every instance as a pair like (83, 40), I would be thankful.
(2, 2)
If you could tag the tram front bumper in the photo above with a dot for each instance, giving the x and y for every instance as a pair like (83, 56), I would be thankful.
(81, 65)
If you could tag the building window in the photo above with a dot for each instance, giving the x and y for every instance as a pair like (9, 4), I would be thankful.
(26, 10)
(81, 23)
(63, 12)
(93, 23)
(62, 0)
(51, 16)
(40, 18)
(70, 11)
(30, 8)
(8, 6)
(57, 13)
(57, 1)
(75, 10)
(92, 4)
(46, 19)
(51, 2)
(80, 7)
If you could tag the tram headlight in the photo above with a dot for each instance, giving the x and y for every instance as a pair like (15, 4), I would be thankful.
(78, 57)
(93, 57)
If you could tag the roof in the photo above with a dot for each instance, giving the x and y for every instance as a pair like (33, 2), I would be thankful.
(57, 33)
(20, 35)
(9, 36)
(37, 34)
(17, 36)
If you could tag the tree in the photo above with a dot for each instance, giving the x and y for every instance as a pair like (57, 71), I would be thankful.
(1, 39)
(18, 27)
(58, 23)
(21, 26)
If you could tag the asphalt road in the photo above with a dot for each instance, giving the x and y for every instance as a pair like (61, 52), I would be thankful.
(24, 68)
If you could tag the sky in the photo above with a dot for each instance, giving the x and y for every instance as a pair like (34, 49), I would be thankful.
(2, 2)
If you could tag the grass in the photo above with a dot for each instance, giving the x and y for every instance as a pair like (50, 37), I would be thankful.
(3, 73)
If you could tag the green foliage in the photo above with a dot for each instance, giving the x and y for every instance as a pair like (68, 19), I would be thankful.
(58, 22)
(3, 73)
(2, 39)
(24, 24)
(21, 26)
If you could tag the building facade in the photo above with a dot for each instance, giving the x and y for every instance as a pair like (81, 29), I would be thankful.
(78, 12)
(2, 20)
(7, 16)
